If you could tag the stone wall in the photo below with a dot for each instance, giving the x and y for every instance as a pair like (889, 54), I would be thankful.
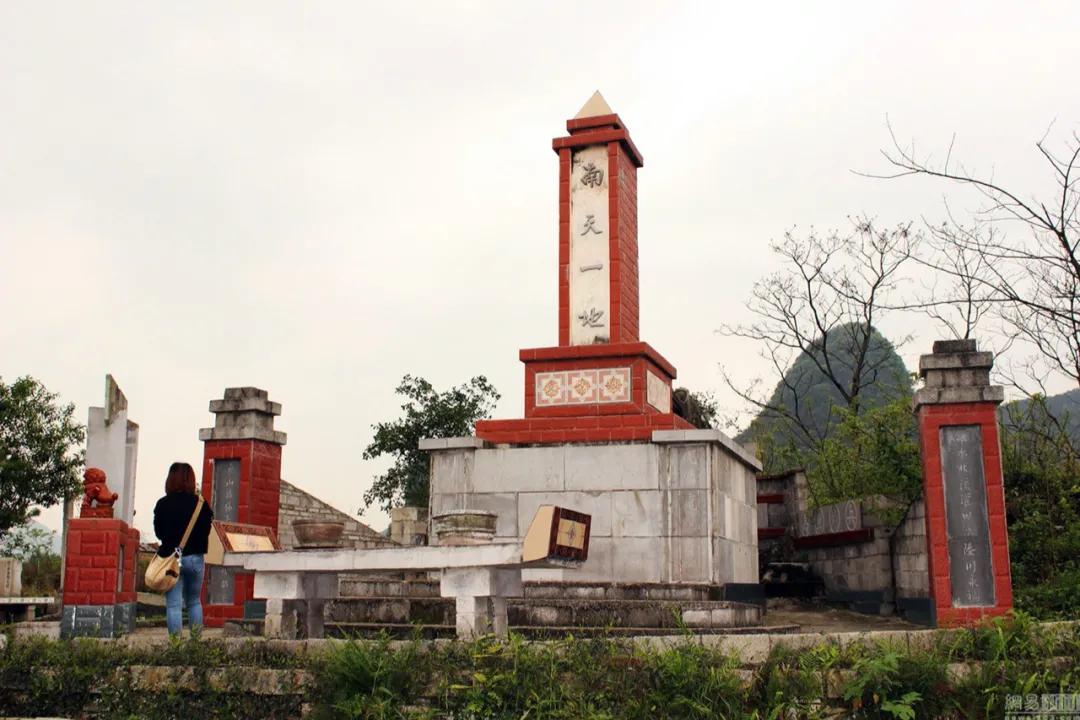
(299, 505)
(910, 554)
(678, 509)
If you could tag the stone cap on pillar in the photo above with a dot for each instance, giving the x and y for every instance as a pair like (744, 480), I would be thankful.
(245, 413)
(956, 372)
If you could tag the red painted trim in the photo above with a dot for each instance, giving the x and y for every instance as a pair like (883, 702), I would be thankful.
(771, 533)
(579, 428)
(770, 499)
(600, 137)
(602, 350)
(614, 279)
(841, 538)
(578, 124)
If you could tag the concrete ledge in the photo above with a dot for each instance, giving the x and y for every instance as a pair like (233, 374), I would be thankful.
(243, 433)
(456, 443)
(257, 404)
(712, 435)
(956, 361)
(949, 395)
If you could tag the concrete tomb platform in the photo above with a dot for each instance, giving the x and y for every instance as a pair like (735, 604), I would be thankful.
(680, 508)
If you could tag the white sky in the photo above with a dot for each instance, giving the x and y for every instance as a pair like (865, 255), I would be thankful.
(317, 198)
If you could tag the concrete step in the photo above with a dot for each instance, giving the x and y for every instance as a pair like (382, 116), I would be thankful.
(538, 612)
(381, 587)
(248, 628)
(545, 612)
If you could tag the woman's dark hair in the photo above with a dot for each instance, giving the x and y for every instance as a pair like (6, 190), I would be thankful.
(181, 479)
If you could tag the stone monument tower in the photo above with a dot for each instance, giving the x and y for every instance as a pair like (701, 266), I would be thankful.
(669, 503)
(242, 481)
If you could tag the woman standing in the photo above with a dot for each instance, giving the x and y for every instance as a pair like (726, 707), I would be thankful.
(171, 517)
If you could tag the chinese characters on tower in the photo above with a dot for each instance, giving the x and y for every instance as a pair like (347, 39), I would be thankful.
(590, 294)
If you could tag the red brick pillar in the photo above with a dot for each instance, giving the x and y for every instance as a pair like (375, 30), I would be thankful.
(968, 542)
(99, 578)
(242, 481)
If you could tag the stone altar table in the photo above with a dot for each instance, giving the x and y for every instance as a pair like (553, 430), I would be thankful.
(297, 583)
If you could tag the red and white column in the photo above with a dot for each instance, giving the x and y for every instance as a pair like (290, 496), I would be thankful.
(601, 383)
(242, 481)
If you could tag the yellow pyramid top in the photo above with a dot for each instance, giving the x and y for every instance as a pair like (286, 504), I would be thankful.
(595, 106)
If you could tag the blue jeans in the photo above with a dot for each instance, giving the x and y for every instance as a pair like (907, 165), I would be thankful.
(186, 592)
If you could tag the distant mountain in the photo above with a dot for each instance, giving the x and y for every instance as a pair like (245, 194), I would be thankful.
(1065, 406)
(808, 393)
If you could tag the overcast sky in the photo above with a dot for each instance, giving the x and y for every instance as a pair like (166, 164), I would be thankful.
(317, 198)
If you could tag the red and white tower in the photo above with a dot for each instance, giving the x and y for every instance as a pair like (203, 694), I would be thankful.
(601, 383)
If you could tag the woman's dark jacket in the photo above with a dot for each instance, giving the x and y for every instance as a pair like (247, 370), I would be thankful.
(171, 516)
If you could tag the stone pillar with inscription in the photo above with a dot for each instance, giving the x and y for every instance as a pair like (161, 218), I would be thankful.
(242, 483)
(966, 533)
(670, 503)
(601, 383)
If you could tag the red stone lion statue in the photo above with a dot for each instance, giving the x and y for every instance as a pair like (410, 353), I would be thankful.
(97, 500)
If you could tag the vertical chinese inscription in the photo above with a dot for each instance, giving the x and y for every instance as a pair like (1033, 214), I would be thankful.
(589, 275)
(966, 522)
(226, 506)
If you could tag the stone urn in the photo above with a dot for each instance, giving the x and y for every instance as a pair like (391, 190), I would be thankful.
(318, 533)
(464, 527)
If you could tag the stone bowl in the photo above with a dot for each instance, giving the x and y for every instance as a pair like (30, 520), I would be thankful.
(464, 527)
(318, 533)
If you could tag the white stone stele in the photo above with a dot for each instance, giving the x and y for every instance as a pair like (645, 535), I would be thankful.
(112, 444)
(681, 508)
(589, 271)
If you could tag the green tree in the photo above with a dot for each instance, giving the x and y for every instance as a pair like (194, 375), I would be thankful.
(39, 456)
(1042, 501)
(428, 414)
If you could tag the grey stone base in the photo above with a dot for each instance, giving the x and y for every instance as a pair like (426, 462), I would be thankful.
(917, 610)
(99, 621)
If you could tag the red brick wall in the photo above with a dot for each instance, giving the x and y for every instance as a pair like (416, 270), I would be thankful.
(624, 245)
(92, 571)
(931, 419)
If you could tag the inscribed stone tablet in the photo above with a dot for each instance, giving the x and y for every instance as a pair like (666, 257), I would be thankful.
(226, 504)
(966, 520)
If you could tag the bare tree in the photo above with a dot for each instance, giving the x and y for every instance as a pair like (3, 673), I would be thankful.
(1029, 280)
(823, 305)
(952, 296)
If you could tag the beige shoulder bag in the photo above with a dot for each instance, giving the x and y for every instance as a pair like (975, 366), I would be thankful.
(163, 572)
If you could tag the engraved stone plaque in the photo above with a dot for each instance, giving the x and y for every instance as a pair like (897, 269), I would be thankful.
(226, 505)
(966, 520)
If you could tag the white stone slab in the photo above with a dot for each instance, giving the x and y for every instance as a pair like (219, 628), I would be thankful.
(688, 466)
(454, 443)
(611, 467)
(346, 560)
(590, 234)
(637, 559)
(716, 436)
(689, 513)
(519, 469)
(636, 513)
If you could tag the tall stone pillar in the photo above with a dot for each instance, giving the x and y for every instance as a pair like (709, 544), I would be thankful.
(242, 482)
(601, 383)
(100, 547)
(967, 537)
